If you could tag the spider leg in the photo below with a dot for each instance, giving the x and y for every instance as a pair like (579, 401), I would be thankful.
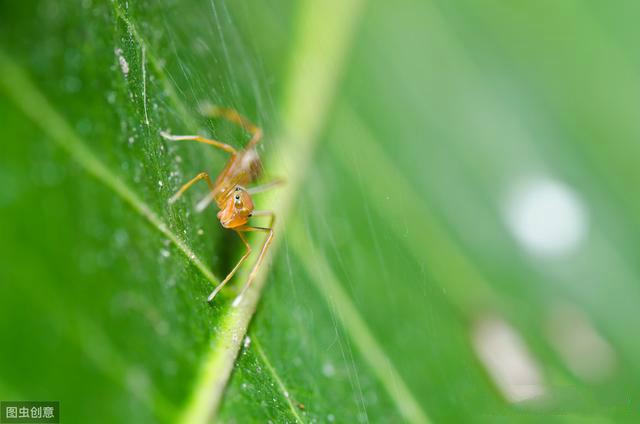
(185, 187)
(231, 115)
(233, 271)
(263, 251)
(200, 139)
(266, 186)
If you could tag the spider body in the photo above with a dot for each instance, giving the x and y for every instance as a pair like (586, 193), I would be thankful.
(241, 170)
(233, 200)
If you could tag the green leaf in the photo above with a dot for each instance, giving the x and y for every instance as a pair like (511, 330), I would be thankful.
(401, 130)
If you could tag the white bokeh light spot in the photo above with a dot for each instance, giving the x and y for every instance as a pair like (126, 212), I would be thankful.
(546, 217)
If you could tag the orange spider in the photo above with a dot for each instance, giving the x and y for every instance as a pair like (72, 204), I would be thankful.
(230, 190)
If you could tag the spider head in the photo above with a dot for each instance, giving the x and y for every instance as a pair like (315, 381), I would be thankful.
(237, 208)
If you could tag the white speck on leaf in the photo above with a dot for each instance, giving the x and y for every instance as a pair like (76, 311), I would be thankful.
(328, 369)
(124, 65)
(585, 352)
(237, 301)
(247, 342)
(507, 359)
(547, 217)
(144, 86)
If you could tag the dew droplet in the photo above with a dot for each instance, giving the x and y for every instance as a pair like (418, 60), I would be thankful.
(328, 369)
(124, 65)
(546, 217)
(507, 359)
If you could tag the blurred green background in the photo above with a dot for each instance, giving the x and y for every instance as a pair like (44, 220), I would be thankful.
(459, 232)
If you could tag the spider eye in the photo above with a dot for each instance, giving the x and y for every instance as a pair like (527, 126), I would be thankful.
(237, 197)
(237, 188)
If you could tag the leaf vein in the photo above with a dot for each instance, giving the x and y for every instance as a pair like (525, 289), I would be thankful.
(276, 377)
(326, 282)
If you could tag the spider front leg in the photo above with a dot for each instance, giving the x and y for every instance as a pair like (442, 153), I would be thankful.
(263, 251)
(199, 139)
(266, 186)
(185, 187)
(232, 115)
(233, 271)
